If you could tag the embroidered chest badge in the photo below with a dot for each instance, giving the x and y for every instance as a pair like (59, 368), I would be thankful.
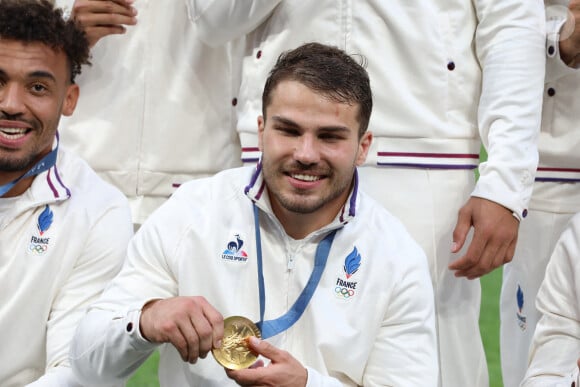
(39, 243)
(234, 252)
(345, 287)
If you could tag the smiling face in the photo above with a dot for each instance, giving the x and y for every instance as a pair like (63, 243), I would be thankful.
(34, 91)
(310, 147)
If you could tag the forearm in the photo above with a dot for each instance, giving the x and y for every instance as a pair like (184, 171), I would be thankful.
(511, 100)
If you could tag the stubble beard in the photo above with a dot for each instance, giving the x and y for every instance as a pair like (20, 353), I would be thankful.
(23, 164)
(302, 202)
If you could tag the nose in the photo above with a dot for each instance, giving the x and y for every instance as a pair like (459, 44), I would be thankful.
(11, 99)
(307, 150)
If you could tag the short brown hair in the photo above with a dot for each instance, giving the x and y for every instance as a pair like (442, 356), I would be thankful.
(328, 71)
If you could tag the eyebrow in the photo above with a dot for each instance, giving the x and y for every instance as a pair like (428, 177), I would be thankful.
(42, 74)
(289, 122)
(34, 74)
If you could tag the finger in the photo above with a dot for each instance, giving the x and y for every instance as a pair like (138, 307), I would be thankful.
(471, 257)
(216, 321)
(204, 335)
(264, 348)
(248, 376)
(104, 15)
(487, 260)
(103, 6)
(258, 364)
(104, 19)
(461, 229)
(176, 337)
(511, 250)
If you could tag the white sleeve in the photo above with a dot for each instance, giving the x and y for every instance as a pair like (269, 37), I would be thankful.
(220, 21)
(56, 377)
(556, 344)
(101, 260)
(108, 346)
(510, 45)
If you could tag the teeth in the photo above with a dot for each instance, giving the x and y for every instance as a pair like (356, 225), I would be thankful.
(306, 177)
(12, 133)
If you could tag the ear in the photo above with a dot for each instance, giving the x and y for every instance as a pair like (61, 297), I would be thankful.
(261, 124)
(363, 147)
(70, 99)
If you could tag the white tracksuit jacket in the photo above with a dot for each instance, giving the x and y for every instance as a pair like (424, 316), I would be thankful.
(61, 242)
(155, 108)
(382, 334)
(437, 70)
(555, 199)
(556, 345)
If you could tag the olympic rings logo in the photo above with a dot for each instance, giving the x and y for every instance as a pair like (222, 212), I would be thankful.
(343, 292)
(37, 249)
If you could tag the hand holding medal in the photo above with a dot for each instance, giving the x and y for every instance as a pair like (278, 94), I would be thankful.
(234, 353)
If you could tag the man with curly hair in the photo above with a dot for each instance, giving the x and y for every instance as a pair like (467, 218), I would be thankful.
(63, 231)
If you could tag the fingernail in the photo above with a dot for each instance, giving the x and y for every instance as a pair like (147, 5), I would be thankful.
(218, 344)
(454, 246)
(254, 340)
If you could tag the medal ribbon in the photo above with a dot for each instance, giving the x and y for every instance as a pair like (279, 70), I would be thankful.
(42, 165)
(273, 327)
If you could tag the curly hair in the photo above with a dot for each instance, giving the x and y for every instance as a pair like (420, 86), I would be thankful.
(39, 21)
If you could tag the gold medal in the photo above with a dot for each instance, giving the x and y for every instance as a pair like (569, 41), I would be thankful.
(234, 353)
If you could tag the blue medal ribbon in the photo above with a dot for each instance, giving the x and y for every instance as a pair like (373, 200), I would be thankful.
(273, 327)
(42, 165)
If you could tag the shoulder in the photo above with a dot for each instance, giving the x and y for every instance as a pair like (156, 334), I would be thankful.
(225, 185)
(387, 235)
(87, 189)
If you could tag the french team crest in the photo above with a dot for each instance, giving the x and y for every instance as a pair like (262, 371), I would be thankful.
(345, 288)
(521, 317)
(39, 244)
(234, 252)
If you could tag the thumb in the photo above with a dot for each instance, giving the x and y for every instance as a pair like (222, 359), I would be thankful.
(262, 347)
(460, 231)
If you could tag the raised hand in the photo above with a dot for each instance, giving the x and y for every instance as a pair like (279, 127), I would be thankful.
(100, 18)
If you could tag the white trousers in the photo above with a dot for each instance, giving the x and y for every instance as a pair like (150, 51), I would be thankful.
(427, 202)
(551, 208)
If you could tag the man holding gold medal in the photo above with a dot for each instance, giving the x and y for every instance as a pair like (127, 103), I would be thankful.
(322, 286)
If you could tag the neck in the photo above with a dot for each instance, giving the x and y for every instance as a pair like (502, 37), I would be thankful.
(298, 225)
(19, 188)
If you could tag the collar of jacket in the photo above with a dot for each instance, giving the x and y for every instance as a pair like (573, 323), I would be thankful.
(256, 191)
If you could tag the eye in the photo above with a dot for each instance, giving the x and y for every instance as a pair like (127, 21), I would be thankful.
(330, 136)
(287, 131)
(38, 88)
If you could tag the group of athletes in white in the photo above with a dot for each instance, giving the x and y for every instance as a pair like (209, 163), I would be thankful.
(177, 97)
